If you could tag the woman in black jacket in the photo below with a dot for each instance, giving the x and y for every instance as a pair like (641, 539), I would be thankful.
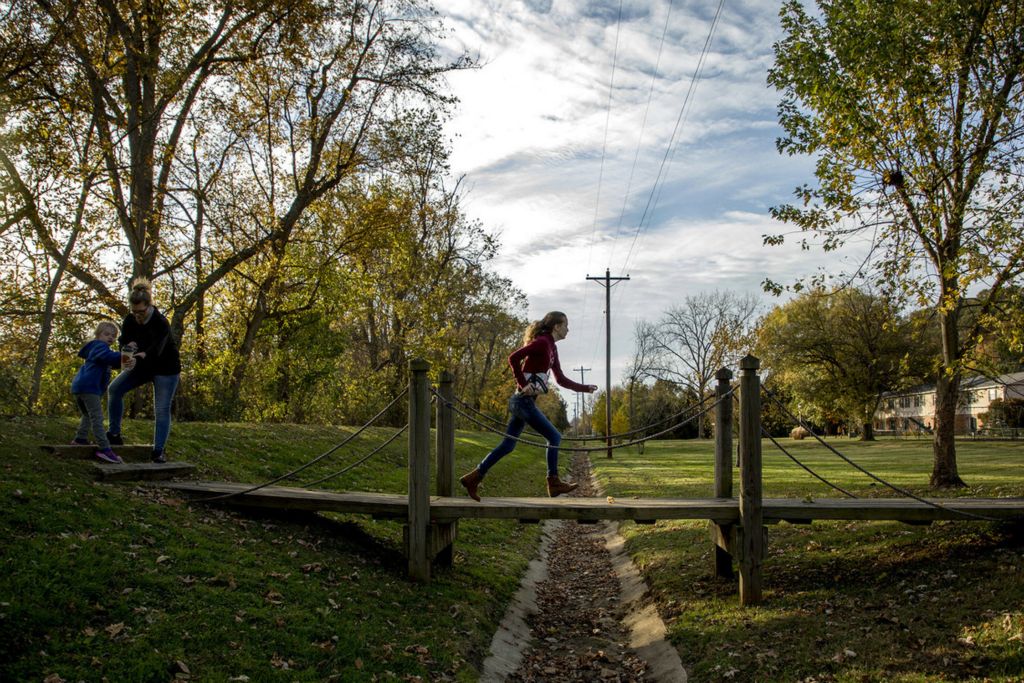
(155, 360)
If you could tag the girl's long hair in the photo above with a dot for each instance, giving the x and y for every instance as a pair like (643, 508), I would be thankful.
(544, 326)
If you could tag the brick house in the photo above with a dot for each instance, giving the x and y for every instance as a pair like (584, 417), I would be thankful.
(913, 410)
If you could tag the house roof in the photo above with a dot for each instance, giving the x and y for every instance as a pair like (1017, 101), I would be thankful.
(976, 382)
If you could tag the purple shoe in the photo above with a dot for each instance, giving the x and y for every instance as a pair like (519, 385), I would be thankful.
(107, 455)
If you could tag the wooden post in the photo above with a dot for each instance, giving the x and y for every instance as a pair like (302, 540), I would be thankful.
(723, 468)
(417, 547)
(751, 538)
(445, 445)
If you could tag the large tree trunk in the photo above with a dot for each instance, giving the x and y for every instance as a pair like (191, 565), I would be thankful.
(947, 390)
(944, 472)
(867, 431)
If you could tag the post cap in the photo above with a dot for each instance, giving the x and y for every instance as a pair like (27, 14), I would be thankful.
(418, 365)
(723, 374)
(445, 376)
(749, 362)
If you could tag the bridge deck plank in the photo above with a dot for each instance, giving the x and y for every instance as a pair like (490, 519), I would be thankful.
(721, 510)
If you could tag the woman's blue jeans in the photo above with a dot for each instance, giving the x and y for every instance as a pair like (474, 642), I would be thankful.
(164, 387)
(523, 411)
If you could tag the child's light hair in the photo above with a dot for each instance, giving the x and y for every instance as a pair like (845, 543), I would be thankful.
(107, 325)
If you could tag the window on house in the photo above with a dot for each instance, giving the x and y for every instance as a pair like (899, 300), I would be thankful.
(917, 400)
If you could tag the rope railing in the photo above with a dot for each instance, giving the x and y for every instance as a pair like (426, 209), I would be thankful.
(301, 468)
(577, 449)
(805, 467)
(638, 430)
(872, 475)
(366, 457)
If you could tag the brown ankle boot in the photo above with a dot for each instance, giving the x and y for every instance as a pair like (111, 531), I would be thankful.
(471, 481)
(557, 487)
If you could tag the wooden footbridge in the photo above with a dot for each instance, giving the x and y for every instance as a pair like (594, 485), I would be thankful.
(431, 521)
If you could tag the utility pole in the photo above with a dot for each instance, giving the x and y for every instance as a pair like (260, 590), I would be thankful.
(607, 281)
(579, 399)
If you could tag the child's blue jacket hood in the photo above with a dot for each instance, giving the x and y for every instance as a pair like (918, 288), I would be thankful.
(94, 375)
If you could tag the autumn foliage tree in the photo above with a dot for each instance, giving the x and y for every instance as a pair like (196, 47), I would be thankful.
(912, 110)
(837, 352)
(277, 168)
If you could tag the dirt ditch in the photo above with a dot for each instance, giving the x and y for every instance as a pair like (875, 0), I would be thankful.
(580, 614)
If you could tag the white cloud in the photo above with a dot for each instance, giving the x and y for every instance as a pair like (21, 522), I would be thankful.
(530, 136)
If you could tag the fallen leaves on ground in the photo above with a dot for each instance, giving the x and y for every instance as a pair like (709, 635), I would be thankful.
(577, 630)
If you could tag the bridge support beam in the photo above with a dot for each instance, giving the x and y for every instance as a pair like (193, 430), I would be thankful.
(723, 470)
(445, 447)
(418, 529)
(751, 540)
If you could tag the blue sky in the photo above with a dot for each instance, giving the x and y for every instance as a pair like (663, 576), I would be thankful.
(561, 134)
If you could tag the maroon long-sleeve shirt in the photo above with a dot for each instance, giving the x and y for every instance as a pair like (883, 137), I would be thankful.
(539, 356)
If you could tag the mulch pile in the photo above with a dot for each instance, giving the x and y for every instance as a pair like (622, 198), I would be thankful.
(577, 632)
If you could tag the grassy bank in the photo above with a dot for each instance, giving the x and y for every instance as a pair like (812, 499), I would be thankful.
(127, 583)
(844, 601)
(123, 582)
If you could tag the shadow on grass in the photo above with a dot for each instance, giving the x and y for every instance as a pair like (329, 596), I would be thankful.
(855, 602)
(349, 531)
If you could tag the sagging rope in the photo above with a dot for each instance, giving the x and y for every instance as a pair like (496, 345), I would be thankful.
(366, 457)
(805, 467)
(638, 430)
(897, 489)
(312, 462)
(591, 449)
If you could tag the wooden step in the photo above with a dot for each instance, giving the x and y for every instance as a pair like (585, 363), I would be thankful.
(136, 471)
(128, 452)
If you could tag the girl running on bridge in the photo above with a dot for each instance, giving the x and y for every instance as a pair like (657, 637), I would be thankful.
(530, 364)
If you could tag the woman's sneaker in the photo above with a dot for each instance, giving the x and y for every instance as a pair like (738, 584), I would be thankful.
(107, 455)
(158, 457)
(115, 439)
(79, 442)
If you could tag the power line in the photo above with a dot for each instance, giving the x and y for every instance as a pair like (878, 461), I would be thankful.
(643, 127)
(604, 146)
(669, 149)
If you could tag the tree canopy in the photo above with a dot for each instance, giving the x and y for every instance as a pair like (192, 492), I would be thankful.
(278, 169)
(912, 110)
(838, 352)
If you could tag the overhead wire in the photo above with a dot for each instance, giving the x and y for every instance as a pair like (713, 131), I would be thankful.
(600, 175)
(643, 127)
(652, 199)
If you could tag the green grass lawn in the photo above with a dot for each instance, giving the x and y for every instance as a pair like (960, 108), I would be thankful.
(125, 582)
(843, 601)
(121, 582)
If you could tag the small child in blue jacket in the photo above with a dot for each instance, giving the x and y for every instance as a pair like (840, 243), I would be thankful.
(90, 384)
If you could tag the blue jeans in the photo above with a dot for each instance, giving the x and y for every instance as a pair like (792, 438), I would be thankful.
(164, 387)
(523, 411)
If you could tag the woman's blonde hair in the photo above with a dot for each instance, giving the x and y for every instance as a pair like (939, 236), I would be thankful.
(543, 326)
(141, 292)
